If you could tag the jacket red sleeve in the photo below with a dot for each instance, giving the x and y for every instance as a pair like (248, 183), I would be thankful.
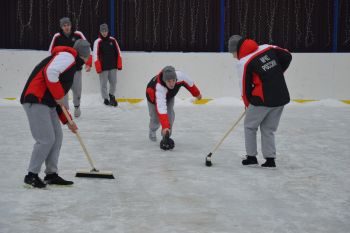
(193, 90)
(161, 107)
(58, 64)
(61, 115)
(96, 55)
(89, 61)
(188, 83)
(81, 35)
(53, 42)
(252, 87)
(119, 58)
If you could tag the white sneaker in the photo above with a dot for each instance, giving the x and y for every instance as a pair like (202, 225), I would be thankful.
(77, 112)
(152, 136)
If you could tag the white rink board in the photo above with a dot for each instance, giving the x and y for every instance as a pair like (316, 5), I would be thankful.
(310, 76)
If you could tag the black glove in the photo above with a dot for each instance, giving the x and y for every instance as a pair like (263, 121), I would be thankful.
(167, 143)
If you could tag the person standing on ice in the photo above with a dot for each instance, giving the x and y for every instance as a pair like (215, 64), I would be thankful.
(264, 93)
(66, 37)
(160, 94)
(41, 98)
(108, 59)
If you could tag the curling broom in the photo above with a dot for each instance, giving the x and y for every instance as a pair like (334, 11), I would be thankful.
(93, 173)
(208, 162)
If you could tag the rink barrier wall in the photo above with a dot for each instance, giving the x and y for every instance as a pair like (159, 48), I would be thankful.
(311, 76)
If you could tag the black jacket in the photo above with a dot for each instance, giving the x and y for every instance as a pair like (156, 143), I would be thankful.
(261, 71)
(107, 54)
(51, 79)
(60, 39)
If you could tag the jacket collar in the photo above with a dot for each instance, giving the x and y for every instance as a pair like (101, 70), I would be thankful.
(68, 49)
(103, 38)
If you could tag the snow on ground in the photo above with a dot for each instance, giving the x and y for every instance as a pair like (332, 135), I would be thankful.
(173, 191)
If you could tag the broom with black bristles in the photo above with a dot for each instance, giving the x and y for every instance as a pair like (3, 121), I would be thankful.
(93, 173)
(208, 162)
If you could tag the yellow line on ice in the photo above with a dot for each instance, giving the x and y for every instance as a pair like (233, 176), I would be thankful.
(301, 101)
(131, 101)
(199, 102)
(202, 101)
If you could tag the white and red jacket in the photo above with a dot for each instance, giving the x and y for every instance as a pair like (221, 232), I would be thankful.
(106, 54)
(51, 79)
(158, 93)
(60, 39)
(261, 73)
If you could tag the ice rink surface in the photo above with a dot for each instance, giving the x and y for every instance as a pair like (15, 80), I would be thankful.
(172, 191)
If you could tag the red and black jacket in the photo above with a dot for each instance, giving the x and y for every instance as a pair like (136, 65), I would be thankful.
(158, 94)
(51, 79)
(261, 70)
(60, 39)
(107, 54)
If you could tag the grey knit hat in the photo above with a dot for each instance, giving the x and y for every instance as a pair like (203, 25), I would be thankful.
(233, 43)
(65, 20)
(168, 73)
(82, 47)
(104, 27)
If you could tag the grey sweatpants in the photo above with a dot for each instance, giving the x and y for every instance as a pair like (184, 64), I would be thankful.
(154, 120)
(105, 77)
(76, 89)
(268, 119)
(46, 130)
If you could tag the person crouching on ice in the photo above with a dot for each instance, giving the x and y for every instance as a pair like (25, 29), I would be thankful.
(160, 94)
(42, 98)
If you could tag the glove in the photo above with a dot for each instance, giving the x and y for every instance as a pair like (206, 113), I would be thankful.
(167, 143)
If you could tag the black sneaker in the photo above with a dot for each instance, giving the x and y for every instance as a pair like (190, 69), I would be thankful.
(106, 102)
(270, 162)
(34, 180)
(54, 178)
(250, 160)
(113, 101)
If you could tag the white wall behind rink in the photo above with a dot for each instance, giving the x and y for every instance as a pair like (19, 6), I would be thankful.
(310, 76)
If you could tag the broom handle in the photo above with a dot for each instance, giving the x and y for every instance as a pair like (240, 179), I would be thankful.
(227, 133)
(79, 138)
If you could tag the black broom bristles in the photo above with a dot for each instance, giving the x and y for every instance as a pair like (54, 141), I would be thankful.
(95, 174)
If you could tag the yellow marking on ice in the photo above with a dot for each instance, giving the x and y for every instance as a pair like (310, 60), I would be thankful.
(131, 101)
(346, 101)
(202, 101)
(10, 98)
(301, 101)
